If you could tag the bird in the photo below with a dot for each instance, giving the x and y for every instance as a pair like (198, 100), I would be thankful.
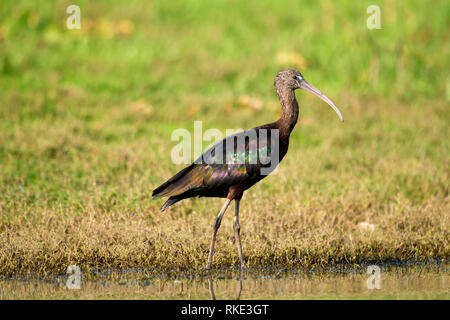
(233, 165)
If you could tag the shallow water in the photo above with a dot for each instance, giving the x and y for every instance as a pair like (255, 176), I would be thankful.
(393, 281)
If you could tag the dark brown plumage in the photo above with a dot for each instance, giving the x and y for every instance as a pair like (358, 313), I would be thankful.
(239, 161)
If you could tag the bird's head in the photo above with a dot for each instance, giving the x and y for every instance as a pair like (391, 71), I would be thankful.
(292, 79)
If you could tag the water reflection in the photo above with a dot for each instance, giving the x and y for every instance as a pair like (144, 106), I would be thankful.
(238, 287)
(404, 282)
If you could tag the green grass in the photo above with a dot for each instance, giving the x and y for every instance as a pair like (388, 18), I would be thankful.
(86, 117)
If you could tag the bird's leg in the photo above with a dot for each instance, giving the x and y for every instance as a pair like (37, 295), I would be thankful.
(211, 287)
(215, 228)
(237, 229)
(239, 288)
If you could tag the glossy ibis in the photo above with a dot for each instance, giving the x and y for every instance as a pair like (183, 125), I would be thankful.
(239, 161)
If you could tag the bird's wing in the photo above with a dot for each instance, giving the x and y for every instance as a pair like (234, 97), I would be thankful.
(236, 158)
(228, 162)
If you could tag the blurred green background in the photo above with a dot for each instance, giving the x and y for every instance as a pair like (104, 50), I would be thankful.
(172, 62)
(86, 115)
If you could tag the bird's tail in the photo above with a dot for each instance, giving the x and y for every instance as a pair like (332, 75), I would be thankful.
(189, 178)
(169, 202)
(174, 185)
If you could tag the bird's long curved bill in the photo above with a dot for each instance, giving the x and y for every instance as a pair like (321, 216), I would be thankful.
(309, 87)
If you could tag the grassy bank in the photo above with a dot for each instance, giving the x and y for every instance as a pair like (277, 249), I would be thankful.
(86, 118)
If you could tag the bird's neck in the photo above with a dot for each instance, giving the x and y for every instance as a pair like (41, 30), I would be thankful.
(289, 115)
